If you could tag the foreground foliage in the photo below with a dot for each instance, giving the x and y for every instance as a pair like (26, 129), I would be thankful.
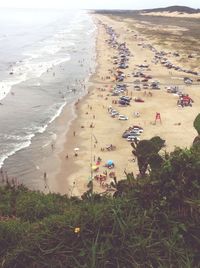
(150, 222)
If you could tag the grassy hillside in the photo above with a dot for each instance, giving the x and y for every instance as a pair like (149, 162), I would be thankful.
(150, 222)
(182, 9)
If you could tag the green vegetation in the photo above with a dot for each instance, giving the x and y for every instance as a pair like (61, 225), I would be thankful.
(151, 221)
(146, 152)
(197, 127)
(197, 123)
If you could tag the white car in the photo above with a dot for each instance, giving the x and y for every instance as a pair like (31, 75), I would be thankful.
(133, 138)
(123, 117)
(113, 114)
(136, 129)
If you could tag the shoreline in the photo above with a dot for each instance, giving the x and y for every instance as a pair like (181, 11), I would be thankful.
(67, 165)
(75, 172)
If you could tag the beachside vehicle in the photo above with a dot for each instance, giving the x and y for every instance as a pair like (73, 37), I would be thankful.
(188, 80)
(132, 138)
(123, 117)
(126, 134)
(113, 114)
(155, 87)
(135, 132)
(138, 100)
(123, 102)
(137, 88)
(123, 66)
(144, 80)
(126, 98)
(139, 130)
(136, 127)
(120, 79)
(143, 66)
(121, 86)
(112, 111)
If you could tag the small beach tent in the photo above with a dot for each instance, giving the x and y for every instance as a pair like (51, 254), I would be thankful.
(110, 162)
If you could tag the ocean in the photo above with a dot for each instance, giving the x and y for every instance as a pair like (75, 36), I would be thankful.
(47, 57)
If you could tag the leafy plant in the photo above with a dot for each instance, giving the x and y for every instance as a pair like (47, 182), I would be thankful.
(146, 152)
(197, 124)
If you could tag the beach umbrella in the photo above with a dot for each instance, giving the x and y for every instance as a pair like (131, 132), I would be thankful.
(110, 162)
(76, 149)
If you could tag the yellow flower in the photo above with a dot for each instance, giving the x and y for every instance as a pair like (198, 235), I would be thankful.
(77, 230)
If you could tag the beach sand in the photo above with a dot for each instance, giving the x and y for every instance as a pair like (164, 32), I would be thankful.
(176, 126)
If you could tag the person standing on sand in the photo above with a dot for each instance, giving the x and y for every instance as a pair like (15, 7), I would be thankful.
(52, 147)
(45, 180)
(74, 133)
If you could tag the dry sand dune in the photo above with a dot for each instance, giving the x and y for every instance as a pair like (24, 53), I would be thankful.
(172, 14)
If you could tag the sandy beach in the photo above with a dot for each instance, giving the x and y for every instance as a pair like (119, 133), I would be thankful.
(94, 129)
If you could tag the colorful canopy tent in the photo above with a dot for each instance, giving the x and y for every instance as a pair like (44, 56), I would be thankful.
(110, 162)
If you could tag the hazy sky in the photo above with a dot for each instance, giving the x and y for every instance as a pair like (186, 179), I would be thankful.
(96, 4)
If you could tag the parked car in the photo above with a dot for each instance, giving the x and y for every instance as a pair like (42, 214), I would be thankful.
(134, 133)
(123, 102)
(132, 138)
(139, 130)
(126, 98)
(112, 111)
(137, 88)
(113, 114)
(125, 134)
(123, 117)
